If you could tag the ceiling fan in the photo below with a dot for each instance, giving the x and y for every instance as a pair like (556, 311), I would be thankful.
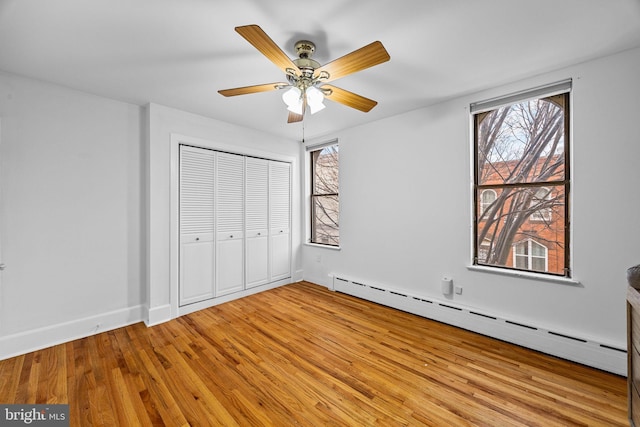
(306, 78)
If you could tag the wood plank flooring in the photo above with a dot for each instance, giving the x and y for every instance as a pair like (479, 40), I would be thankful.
(302, 355)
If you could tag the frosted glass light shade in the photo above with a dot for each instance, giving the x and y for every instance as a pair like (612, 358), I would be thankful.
(293, 99)
(314, 99)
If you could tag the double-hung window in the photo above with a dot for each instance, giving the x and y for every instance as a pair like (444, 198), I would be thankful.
(325, 203)
(521, 181)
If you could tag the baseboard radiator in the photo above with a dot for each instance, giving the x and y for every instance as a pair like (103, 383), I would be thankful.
(557, 343)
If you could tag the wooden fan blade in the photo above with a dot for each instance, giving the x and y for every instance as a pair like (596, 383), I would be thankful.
(261, 41)
(358, 60)
(293, 117)
(350, 99)
(251, 89)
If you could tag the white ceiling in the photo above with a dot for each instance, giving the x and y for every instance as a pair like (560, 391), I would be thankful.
(179, 53)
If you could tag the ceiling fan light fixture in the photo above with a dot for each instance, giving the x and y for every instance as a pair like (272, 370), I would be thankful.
(315, 108)
(314, 99)
(293, 99)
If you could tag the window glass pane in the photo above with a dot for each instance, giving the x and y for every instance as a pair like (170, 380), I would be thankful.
(537, 250)
(522, 142)
(537, 264)
(325, 207)
(325, 170)
(522, 248)
(542, 204)
(512, 219)
(522, 262)
(488, 197)
(483, 251)
(325, 217)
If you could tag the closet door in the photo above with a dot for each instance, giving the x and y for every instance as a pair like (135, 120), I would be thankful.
(196, 200)
(280, 219)
(229, 224)
(257, 222)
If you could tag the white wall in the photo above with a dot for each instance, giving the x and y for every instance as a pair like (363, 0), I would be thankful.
(406, 206)
(84, 213)
(70, 213)
(163, 123)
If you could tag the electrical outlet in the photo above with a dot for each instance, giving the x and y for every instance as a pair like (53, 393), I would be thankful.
(458, 290)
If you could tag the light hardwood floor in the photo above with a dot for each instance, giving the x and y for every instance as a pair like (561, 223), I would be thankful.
(303, 355)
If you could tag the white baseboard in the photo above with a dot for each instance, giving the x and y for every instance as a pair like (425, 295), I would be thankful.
(320, 280)
(156, 315)
(37, 339)
(578, 349)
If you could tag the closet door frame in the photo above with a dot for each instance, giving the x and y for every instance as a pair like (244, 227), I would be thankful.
(173, 309)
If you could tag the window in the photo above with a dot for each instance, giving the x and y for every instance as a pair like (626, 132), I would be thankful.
(325, 206)
(539, 201)
(486, 200)
(521, 181)
(530, 255)
(483, 251)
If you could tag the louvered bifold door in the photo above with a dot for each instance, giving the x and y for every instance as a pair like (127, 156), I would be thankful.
(280, 219)
(229, 223)
(257, 222)
(196, 219)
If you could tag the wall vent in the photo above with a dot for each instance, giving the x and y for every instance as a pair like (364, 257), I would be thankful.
(608, 347)
(521, 325)
(566, 336)
(398, 293)
(483, 315)
(450, 306)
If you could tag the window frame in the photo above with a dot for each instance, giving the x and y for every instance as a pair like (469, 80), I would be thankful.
(563, 88)
(313, 196)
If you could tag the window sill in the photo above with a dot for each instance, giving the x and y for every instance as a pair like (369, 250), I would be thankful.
(318, 245)
(525, 275)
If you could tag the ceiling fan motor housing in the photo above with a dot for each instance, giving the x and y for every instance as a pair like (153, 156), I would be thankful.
(305, 49)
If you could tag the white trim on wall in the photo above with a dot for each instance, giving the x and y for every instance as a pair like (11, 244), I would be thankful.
(40, 338)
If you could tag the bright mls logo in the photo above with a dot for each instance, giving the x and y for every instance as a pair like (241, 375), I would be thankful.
(36, 415)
